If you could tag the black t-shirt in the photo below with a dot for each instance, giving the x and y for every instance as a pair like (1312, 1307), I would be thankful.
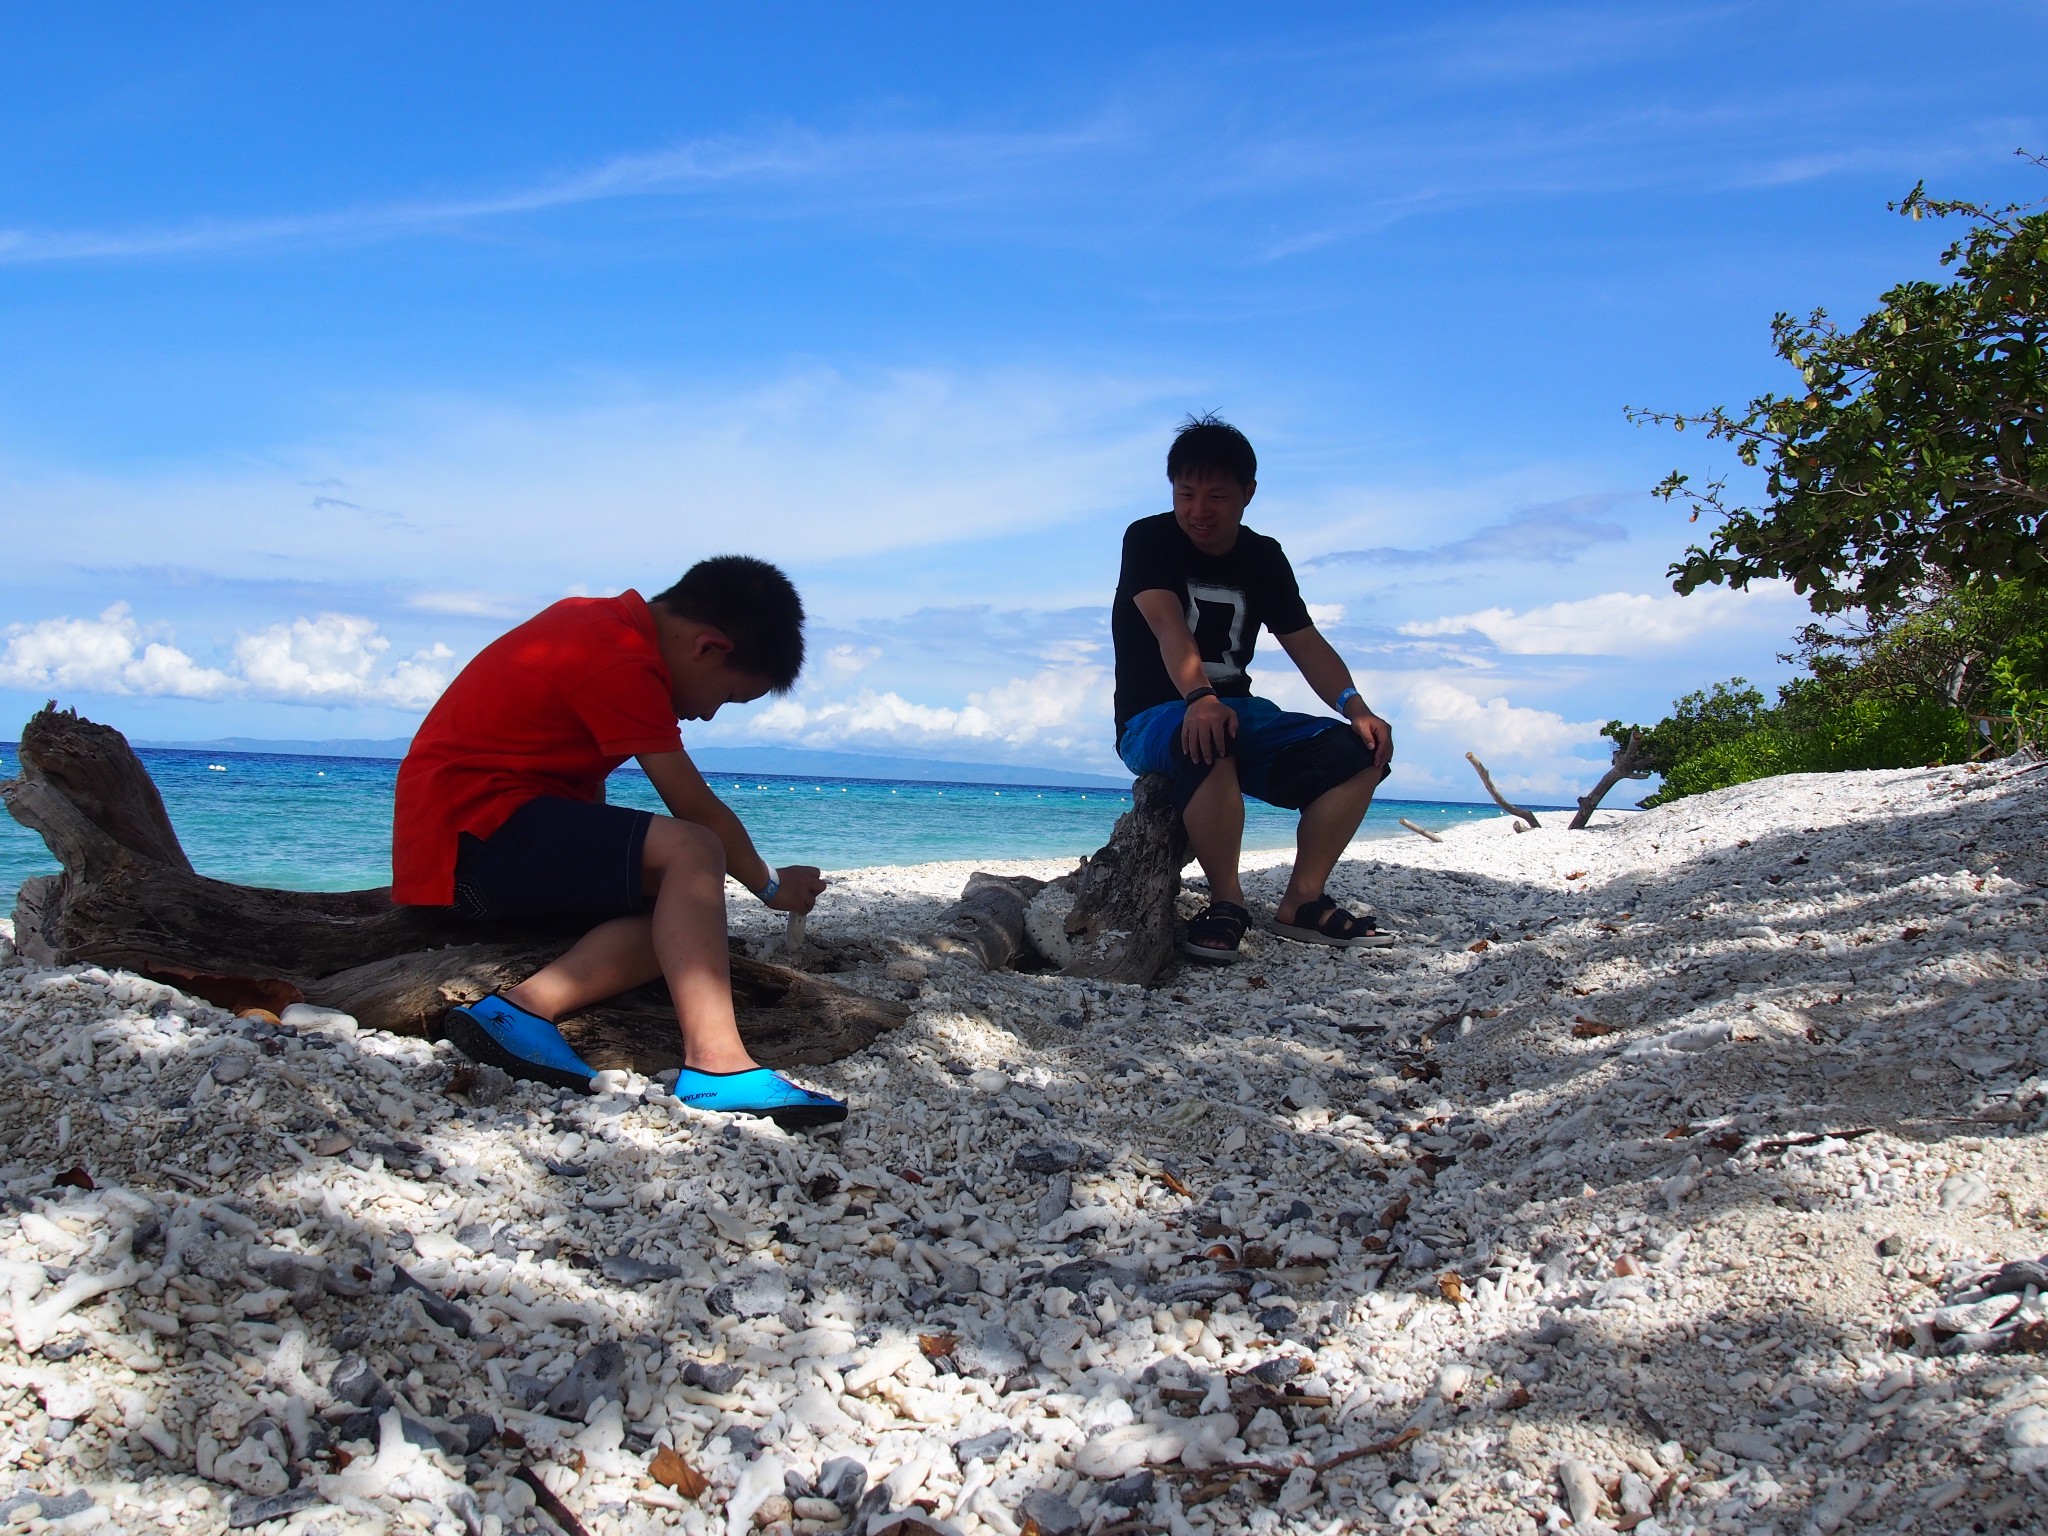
(1226, 599)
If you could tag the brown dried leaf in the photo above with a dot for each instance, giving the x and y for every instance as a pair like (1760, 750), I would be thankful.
(1519, 1398)
(1577, 874)
(1479, 946)
(937, 1345)
(1390, 1218)
(1452, 1284)
(461, 1081)
(75, 1178)
(1910, 934)
(671, 1471)
(1175, 1183)
(1593, 1029)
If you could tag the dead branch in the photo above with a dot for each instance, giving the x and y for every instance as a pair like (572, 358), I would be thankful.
(1626, 764)
(1500, 799)
(1420, 831)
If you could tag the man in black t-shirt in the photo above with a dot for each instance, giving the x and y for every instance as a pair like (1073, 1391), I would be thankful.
(1196, 587)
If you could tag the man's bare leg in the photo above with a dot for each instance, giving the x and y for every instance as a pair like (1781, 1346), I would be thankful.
(1328, 823)
(1215, 823)
(683, 940)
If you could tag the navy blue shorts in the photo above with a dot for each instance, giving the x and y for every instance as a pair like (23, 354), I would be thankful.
(555, 859)
(1284, 759)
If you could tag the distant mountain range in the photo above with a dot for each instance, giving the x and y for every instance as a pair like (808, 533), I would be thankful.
(796, 762)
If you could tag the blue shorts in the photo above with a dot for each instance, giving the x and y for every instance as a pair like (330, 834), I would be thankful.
(572, 863)
(1284, 759)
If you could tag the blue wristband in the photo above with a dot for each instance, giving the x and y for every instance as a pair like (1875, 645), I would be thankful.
(1346, 697)
(768, 892)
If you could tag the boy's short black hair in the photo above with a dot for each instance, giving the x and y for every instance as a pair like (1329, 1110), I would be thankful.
(753, 605)
(1207, 446)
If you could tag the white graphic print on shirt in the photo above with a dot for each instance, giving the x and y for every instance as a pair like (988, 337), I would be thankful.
(1216, 618)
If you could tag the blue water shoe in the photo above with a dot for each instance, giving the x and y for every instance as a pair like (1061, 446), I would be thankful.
(758, 1091)
(505, 1035)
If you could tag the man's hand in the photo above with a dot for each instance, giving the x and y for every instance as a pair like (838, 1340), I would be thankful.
(1206, 729)
(1377, 735)
(801, 887)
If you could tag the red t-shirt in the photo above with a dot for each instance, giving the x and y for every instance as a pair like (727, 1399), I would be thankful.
(548, 709)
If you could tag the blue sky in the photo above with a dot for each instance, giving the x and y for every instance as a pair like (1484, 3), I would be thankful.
(335, 339)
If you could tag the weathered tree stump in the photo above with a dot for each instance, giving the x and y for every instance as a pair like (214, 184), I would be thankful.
(1122, 926)
(129, 897)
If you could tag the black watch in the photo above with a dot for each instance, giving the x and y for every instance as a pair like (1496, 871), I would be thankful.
(1204, 692)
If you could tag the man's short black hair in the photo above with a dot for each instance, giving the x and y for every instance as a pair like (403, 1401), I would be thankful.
(753, 605)
(1207, 446)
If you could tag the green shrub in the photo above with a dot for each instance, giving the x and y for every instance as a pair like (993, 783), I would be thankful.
(1900, 692)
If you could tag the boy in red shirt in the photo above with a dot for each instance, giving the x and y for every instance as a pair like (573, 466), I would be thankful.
(501, 816)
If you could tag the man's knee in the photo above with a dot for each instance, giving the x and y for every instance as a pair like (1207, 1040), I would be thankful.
(1218, 787)
(673, 844)
(1359, 786)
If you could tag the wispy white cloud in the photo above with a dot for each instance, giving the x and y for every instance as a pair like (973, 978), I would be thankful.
(332, 659)
(471, 605)
(810, 465)
(860, 169)
(1619, 623)
(1554, 533)
(1336, 119)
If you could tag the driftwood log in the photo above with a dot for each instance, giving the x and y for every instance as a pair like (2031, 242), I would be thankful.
(987, 922)
(1112, 919)
(129, 897)
(1627, 764)
(1500, 799)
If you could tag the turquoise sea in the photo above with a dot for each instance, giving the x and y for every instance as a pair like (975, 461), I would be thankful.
(324, 823)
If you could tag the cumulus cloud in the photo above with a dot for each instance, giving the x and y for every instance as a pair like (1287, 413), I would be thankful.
(337, 659)
(103, 655)
(849, 660)
(1492, 724)
(1063, 709)
(1615, 623)
(331, 659)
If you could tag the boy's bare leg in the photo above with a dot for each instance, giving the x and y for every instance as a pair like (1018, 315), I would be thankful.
(1215, 823)
(1328, 823)
(683, 941)
(613, 957)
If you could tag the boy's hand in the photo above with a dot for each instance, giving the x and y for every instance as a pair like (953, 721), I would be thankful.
(801, 887)
(1377, 735)
(1206, 729)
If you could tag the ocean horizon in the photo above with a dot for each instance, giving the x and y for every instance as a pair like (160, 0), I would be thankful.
(316, 823)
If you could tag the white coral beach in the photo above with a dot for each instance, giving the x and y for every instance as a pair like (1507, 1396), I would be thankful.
(1677, 1174)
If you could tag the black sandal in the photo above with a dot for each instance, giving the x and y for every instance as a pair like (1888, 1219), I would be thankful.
(1322, 921)
(1220, 920)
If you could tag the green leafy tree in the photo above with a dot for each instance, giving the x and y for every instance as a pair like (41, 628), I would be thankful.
(1916, 453)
